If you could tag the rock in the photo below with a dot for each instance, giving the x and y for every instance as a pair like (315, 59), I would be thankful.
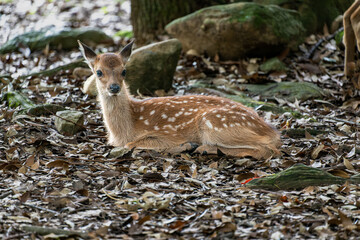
(149, 68)
(152, 67)
(273, 64)
(69, 122)
(118, 152)
(235, 30)
(89, 87)
(81, 72)
(56, 38)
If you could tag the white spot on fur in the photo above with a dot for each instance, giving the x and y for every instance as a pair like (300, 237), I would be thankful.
(171, 119)
(141, 108)
(187, 113)
(146, 122)
(195, 110)
(203, 113)
(191, 97)
(232, 125)
(234, 117)
(156, 128)
(163, 116)
(208, 123)
(237, 124)
(152, 112)
(178, 114)
(225, 125)
(185, 101)
(218, 115)
(223, 119)
(243, 118)
(141, 118)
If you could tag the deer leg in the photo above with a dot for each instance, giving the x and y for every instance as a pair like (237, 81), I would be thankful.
(161, 144)
(349, 40)
(207, 149)
(240, 142)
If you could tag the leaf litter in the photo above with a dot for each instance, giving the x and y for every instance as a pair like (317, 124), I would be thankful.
(71, 186)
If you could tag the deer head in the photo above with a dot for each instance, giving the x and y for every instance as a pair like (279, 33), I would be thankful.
(109, 68)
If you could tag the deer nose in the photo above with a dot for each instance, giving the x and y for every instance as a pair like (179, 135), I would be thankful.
(114, 88)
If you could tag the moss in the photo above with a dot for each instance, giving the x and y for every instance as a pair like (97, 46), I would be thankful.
(339, 38)
(287, 90)
(124, 34)
(284, 23)
(273, 64)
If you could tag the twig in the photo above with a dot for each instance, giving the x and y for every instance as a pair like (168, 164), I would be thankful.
(4, 195)
(309, 54)
(53, 71)
(345, 121)
(40, 208)
(45, 231)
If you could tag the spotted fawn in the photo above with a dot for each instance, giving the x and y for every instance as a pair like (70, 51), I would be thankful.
(172, 124)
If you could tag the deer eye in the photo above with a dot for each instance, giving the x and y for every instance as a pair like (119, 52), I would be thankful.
(99, 73)
(123, 73)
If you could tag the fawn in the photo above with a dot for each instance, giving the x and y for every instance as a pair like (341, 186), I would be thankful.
(172, 124)
(351, 39)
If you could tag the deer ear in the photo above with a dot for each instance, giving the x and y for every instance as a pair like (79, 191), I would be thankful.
(88, 54)
(126, 51)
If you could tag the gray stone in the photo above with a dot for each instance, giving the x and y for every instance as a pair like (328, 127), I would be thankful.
(235, 30)
(69, 122)
(152, 67)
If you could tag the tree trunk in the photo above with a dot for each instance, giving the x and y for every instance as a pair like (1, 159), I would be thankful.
(149, 17)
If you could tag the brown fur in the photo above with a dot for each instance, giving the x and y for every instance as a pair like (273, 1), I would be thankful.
(351, 23)
(166, 123)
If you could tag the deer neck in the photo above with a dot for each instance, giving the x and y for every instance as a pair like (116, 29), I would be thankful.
(117, 116)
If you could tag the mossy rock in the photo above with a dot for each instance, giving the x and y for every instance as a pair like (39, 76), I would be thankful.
(64, 38)
(298, 177)
(273, 64)
(152, 67)
(235, 30)
(313, 14)
(289, 91)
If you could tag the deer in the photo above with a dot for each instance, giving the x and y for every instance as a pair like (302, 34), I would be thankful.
(174, 124)
(351, 40)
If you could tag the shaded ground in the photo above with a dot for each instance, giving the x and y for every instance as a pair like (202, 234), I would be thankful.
(70, 183)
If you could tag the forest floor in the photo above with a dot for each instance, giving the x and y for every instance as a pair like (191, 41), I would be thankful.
(70, 183)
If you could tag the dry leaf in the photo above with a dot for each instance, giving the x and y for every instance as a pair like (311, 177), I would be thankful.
(348, 165)
(317, 150)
